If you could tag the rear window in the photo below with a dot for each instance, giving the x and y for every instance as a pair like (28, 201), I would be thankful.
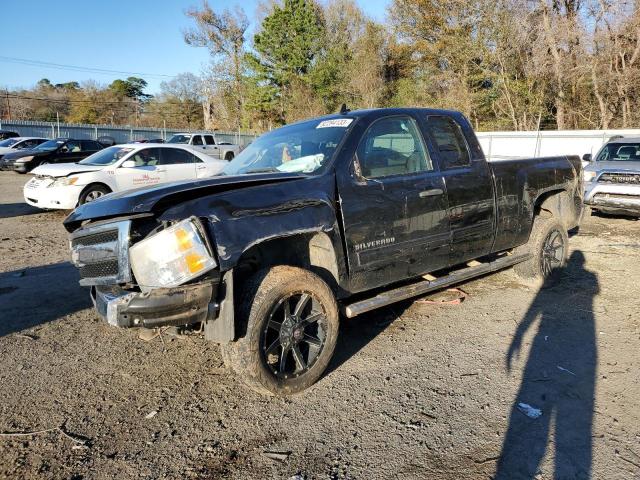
(449, 141)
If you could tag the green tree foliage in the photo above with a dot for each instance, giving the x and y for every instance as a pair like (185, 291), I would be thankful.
(132, 87)
(286, 46)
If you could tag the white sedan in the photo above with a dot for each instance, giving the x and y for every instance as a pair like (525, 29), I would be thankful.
(117, 168)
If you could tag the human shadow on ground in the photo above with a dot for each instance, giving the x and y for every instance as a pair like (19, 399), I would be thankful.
(37, 295)
(559, 379)
(9, 210)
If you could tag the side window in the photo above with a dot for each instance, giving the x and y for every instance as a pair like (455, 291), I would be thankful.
(176, 156)
(197, 140)
(209, 140)
(393, 146)
(87, 146)
(449, 141)
(72, 146)
(147, 158)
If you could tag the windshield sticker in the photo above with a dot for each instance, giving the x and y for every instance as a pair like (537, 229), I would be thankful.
(338, 122)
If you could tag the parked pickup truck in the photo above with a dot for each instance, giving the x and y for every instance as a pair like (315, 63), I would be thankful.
(207, 143)
(337, 215)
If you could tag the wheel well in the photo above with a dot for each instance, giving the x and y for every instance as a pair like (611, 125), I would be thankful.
(94, 184)
(559, 204)
(312, 251)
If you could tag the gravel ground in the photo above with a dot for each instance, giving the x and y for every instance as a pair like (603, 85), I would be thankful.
(415, 391)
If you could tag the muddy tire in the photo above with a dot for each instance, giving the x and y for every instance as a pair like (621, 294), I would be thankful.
(548, 246)
(288, 319)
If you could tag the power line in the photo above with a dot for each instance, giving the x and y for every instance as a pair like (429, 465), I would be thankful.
(76, 68)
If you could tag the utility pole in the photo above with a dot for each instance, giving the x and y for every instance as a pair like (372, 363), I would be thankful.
(8, 106)
(58, 122)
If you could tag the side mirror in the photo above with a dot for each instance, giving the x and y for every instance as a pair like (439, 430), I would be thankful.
(586, 157)
(128, 164)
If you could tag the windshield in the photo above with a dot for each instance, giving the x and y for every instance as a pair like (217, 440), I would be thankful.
(50, 145)
(8, 142)
(179, 139)
(304, 148)
(108, 156)
(617, 152)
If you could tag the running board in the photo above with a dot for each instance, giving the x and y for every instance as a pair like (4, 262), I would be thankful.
(426, 286)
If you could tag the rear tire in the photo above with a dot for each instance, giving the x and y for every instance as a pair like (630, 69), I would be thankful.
(290, 322)
(229, 156)
(548, 246)
(91, 193)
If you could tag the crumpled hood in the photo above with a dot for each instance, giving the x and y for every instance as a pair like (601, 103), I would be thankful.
(64, 169)
(624, 166)
(143, 200)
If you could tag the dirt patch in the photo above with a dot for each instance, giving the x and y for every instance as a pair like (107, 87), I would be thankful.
(416, 390)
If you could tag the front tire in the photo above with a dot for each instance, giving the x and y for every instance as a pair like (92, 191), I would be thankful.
(91, 193)
(548, 246)
(291, 320)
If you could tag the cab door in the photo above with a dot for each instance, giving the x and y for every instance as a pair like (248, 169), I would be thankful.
(394, 206)
(145, 172)
(469, 185)
(211, 147)
(70, 152)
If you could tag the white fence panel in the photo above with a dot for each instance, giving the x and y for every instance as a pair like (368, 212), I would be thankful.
(513, 145)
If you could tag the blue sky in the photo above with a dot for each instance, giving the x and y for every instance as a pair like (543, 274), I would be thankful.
(142, 36)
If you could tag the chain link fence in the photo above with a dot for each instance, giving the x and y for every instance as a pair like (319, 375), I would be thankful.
(28, 128)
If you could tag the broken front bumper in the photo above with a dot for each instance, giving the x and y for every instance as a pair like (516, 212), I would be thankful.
(175, 306)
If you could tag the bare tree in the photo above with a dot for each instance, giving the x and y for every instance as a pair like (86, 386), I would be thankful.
(223, 34)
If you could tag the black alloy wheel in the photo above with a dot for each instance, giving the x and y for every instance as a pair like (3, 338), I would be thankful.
(294, 335)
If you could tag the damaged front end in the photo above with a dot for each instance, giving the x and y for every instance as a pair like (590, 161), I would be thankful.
(147, 275)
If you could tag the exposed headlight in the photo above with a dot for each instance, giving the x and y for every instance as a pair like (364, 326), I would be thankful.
(64, 181)
(589, 176)
(171, 257)
(24, 159)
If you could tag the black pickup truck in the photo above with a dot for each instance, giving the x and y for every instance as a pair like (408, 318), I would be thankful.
(320, 219)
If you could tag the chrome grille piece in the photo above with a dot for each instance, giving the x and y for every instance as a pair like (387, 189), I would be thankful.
(101, 252)
(630, 178)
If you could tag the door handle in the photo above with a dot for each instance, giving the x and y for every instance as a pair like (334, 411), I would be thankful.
(434, 192)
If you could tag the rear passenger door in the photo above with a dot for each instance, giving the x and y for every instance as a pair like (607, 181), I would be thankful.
(393, 206)
(178, 164)
(469, 186)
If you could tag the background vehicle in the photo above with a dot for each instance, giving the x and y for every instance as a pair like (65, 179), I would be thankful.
(149, 140)
(612, 180)
(207, 143)
(4, 134)
(347, 212)
(14, 144)
(114, 169)
(60, 150)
